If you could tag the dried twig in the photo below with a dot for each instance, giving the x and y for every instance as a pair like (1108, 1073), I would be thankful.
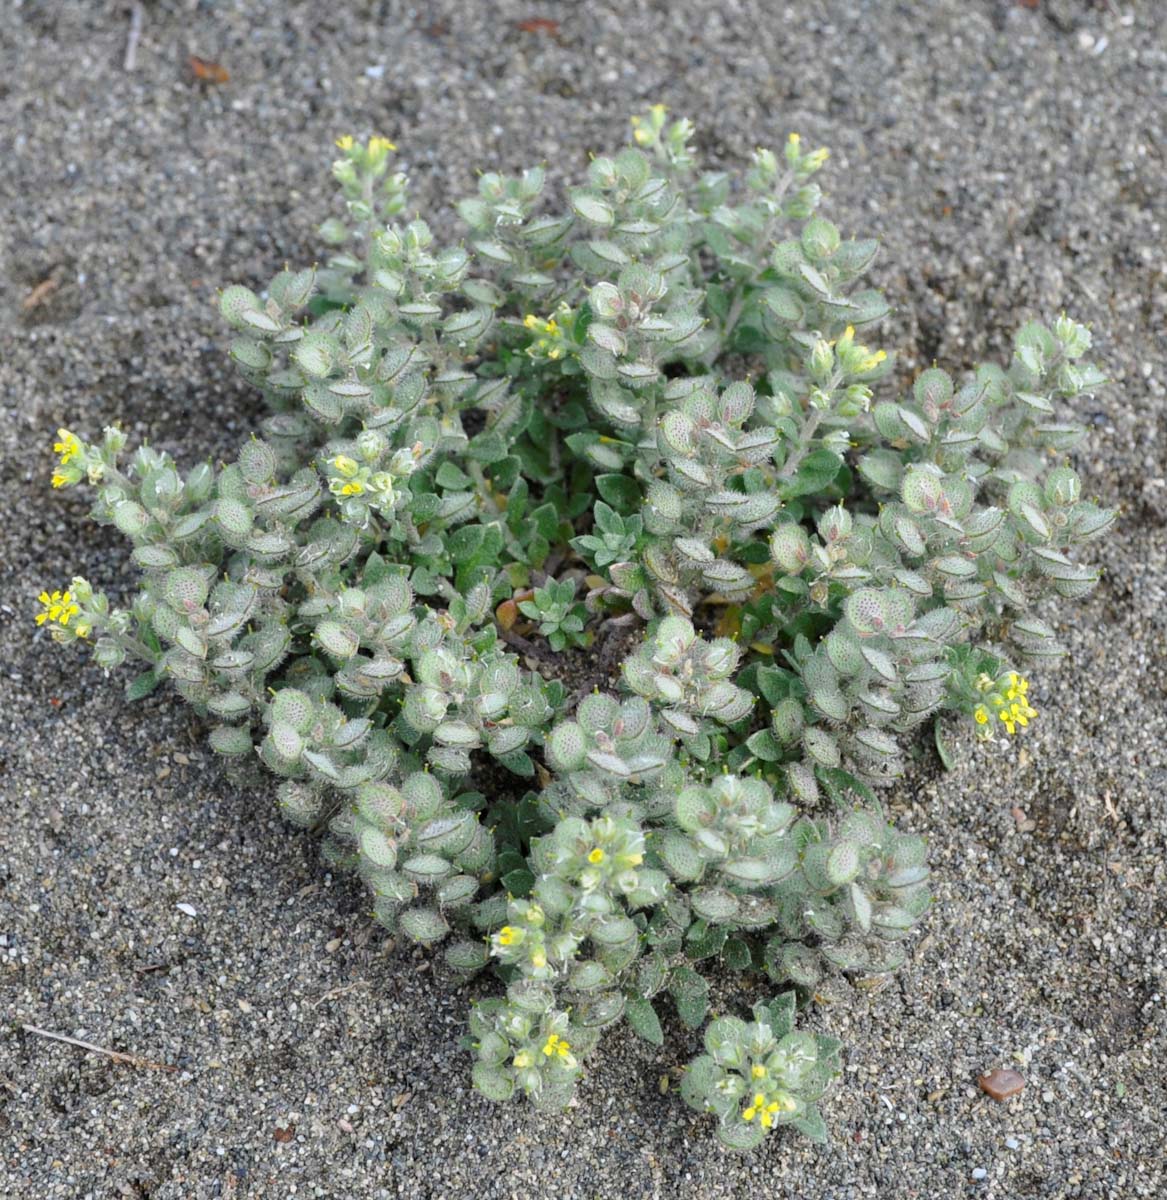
(131, 1059)
(340, 991)
(134, 36)
(43, 290)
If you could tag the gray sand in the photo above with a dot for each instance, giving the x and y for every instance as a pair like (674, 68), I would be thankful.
(1011, 158)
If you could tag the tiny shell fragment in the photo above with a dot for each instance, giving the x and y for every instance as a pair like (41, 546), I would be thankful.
(1001, 1083)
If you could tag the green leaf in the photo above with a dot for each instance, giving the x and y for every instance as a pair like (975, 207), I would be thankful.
(141, 686)
(645, 1023)
(493, 1083)
(815, 473)
(811, 1124)
(781, 1012)
(451, 478)
(737, 955)
(591, 207)
(621, 492)
(487, 447)
(466, 542)
(764, 745)
(518, 882)
(773, 684)
(690, 993)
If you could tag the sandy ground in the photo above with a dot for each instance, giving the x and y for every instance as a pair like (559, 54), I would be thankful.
(1011, 157)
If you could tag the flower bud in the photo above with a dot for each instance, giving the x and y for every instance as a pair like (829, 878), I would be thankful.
(822, 360)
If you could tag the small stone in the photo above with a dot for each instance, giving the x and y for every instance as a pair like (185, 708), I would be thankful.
(189, 909)
(283, 1133)
(1001, 1083)
(1012, 1143)
(979, 1173)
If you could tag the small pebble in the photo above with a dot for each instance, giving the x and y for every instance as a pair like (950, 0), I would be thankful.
(979, 1173)
(1001, 1083)
(189, 909)
(1012, 1143)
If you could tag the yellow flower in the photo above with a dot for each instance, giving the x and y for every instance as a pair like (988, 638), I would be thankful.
(872, 361)
(596, 856)
(522, 1059)
(757, 1107)
(353, 488)
(539, 960)
(345, 143)
(549, 339)
(1016, 714)
(58, 608)
(380, 145)
(555, 1045)
(345, 465)
(758, 1071)
(506, 936)
(59, 480)
(793, 139)
(1009, 698)
(659, 110)
(67, 446)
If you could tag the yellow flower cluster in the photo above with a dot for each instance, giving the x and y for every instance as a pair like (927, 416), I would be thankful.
(59, 608)
(621, 862)
(1008, 699)
(645, 135)
(348, 484)
(557, 1047)
(765, 1111)
(857, 360)
(807, 164)
(355, 480)
(549, 341)
(377, 147)
(68, 447)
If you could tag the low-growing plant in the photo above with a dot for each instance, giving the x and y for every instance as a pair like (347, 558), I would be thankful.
(661, 396)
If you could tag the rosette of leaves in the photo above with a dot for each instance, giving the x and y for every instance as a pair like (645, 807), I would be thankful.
(731, 837)
(688, 680)
(422, 854)
(560, 618)
(510, 1043)
(608, 744)
(760, 1075)
(463, 699)
(860, 887)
